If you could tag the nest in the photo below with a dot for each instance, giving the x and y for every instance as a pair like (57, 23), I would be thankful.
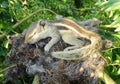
(31, 60)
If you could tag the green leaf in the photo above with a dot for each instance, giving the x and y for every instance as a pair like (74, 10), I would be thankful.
(118, 72)
(4, 4)
(1, 75)
(114, 6)
(117, 35)
(117, 57)
(36, 79)
(64, 1)
(110, 5)
(117, 21)
(117, 30)
(116, 15)
(1, 26)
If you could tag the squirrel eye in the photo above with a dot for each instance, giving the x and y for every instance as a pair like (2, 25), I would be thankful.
(42, 23)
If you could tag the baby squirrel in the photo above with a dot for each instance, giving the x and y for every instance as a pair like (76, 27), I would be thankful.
(75, 30)
(43, 29)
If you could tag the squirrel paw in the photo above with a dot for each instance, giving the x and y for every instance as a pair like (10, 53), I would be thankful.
(70, 48)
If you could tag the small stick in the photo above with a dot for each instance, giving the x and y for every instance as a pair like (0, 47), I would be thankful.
(21, 21)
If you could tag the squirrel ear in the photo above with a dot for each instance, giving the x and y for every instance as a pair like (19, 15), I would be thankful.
(42, 23)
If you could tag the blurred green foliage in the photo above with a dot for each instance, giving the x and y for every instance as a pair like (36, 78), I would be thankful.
(110, 8)
(107, 11)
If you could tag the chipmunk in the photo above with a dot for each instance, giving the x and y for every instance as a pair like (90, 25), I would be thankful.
(51, 31)
(77, 30)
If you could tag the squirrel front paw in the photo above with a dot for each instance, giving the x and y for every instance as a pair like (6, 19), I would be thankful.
(46, 51)
(70, 48)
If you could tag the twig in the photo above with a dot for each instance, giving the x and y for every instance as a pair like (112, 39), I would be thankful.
(114, 64)
(110, 49)
(36, 79)
(108, 26)
(106, 78)
(14, 65)
(21, 21)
